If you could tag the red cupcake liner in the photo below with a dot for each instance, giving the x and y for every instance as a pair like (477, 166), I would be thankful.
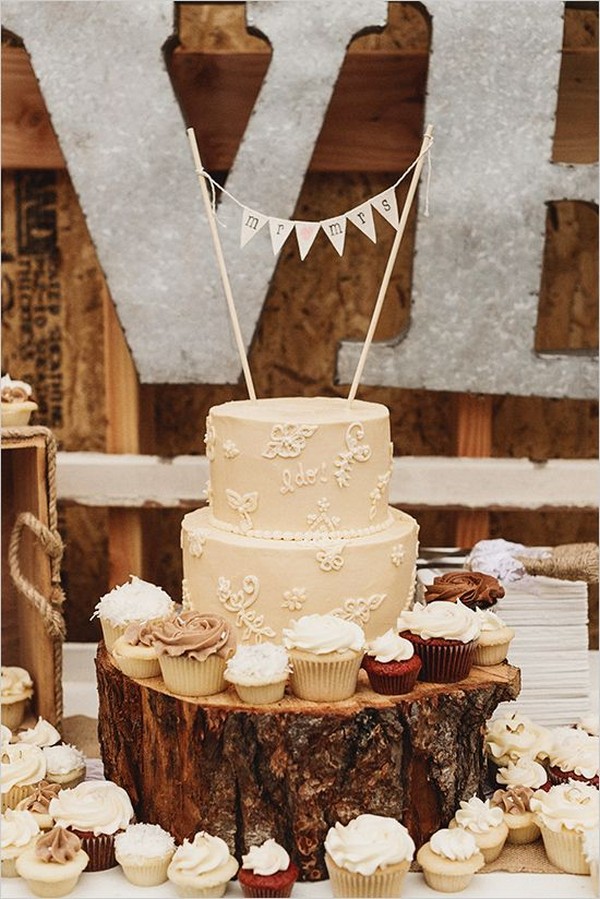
(557, 776)
(444, 661)
(100, 849)
(280, 884)
(392, 678)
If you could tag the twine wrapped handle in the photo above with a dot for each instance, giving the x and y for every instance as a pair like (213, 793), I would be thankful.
(569, 561)
(51, 542)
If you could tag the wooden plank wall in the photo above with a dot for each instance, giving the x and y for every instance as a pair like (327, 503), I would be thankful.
(56, 304)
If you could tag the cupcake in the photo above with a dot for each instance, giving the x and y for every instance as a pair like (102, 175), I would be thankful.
(564, 813)
(574, 755)
(510, 736)
(326, 654)
(525, 772)
(449, 860)
(202, 867)
(19, 830)
(473, 588)
(494, 639)
(144, 852)
(369, 856)
(267, 871)
(41, 734)
(53, 865)
(391, 664)
(590, 844)
(590, 724)
(16, 404)
(486, 825)
(16, 689)
(6, 734)
(137, 601)
(95, 811)
(134, 653)
(23, 767)
(38, 802)
(192, 651)
(518, 817)
(65, 765)
(259, 672)
(444, 635)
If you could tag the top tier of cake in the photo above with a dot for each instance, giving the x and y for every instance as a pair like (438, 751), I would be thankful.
(299, 467)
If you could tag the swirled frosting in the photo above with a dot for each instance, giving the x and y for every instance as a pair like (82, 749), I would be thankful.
(513, 801)
(590, 724)
(258, 663)
(473, 588)
(58, 845)
(323, 634)
(369, 842)
(193, 634)
(138, 633)
(448, 620)
(390, 647)
(489, 622)
(510, 736)
(478, 816)
(456, 844)
(40, 799)
(41, 734)
(568, 806)
(15, 683)
(267, 859)
(524, 772)
(22, 764)
(18, 829)
(205, 854)
(63, 759)
(13, 391)
(6, 734)
(144, 841)
(99, 806)
(136, 600)
(576, 751)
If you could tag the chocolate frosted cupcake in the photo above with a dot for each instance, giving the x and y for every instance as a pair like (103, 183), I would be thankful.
(473, 588)
(444, 635)
(193, 650)
(54, 864)
(518, 817)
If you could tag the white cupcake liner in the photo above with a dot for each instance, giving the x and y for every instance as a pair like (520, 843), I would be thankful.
(17, 415)
(16, 794)
(327, 678)
(67, 781)
(565, 850)
(111, 632)
(385, 882)
(12, 714)
(522, 833)
(138, 668)
(447, 883)
(189, 677)
(145, 872)
(493, 654)
(261, 694)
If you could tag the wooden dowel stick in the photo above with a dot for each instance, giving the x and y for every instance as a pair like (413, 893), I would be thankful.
(221, 261)
(427, 139)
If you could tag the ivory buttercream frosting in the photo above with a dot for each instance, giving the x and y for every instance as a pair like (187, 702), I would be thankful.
(455, 844)
(448, 620)
(525, 772)
(512, 735)
(390, 647)
(63, 759)
(99, 806)
(322, 634)
(266, 859)
(15, 683)
(567, 806)
(22, 764)
(18, 829)
(41, 734)
(369, 842)
(477, 816)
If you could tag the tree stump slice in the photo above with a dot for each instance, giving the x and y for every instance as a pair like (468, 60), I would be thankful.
(292, 769)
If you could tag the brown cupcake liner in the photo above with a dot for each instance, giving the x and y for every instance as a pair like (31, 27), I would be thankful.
(100, 849)
(444, 661)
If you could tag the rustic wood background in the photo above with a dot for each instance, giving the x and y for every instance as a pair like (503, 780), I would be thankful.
(60, 331)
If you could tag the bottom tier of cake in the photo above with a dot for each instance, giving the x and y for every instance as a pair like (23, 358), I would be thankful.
(292, 769)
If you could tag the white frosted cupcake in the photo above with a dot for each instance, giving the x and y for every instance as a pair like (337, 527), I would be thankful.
(590, 724)
(23, 767)
(259, 672)
(16, 689)
(202, 867)
(326, 654)
(6, 734)
(65, 765)
(590, 845)
(53, 865)
(573, 755)
(17, 831)
(391, 664)
(38, 803)
(136, 600)
(16, 403)
(41, 734)
(267, 872)
(494, 638)
(518, 817)
(486, 825)
(510, 736)
(449, 860)
(564, 813)
(369, 856)
(134, 652)
(444, 635)
(144, 852)
(525, 772)
(193, 650)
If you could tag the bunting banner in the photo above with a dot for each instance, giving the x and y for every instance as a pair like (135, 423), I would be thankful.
(362, 217)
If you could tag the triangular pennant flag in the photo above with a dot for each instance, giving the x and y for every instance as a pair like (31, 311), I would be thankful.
(362, 217)
(252, 222)
(387, 205)
(335, 229)
(279, 229)
(305, 235)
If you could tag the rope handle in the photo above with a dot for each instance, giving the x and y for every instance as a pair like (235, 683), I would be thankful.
(51, 542)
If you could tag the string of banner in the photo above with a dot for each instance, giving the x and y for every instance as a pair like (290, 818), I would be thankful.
(385, 203)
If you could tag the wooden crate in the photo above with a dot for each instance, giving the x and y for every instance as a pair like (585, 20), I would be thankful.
(29, 499)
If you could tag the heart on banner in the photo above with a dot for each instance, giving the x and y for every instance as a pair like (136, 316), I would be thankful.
(305, 235)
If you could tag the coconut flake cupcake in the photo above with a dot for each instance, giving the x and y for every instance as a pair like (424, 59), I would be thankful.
(137, 601)
(38, 803)
(326, 654)
(144, 852)
(41, 734)
(16, 689)
(449, 860)
(65, 765)
(192, 651)
(485, 823)
(134, 652)
(564, 813)
(18, 831)
(16, 403)
(574, 755)
(95, 811)
(525, 772)
(23, 767)
(53, 865)
(369, 856)
(259, 672)
(494, 639)
(391, 664)
(518, 817)
(202, 867)
(267, 871)
(444, 635)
